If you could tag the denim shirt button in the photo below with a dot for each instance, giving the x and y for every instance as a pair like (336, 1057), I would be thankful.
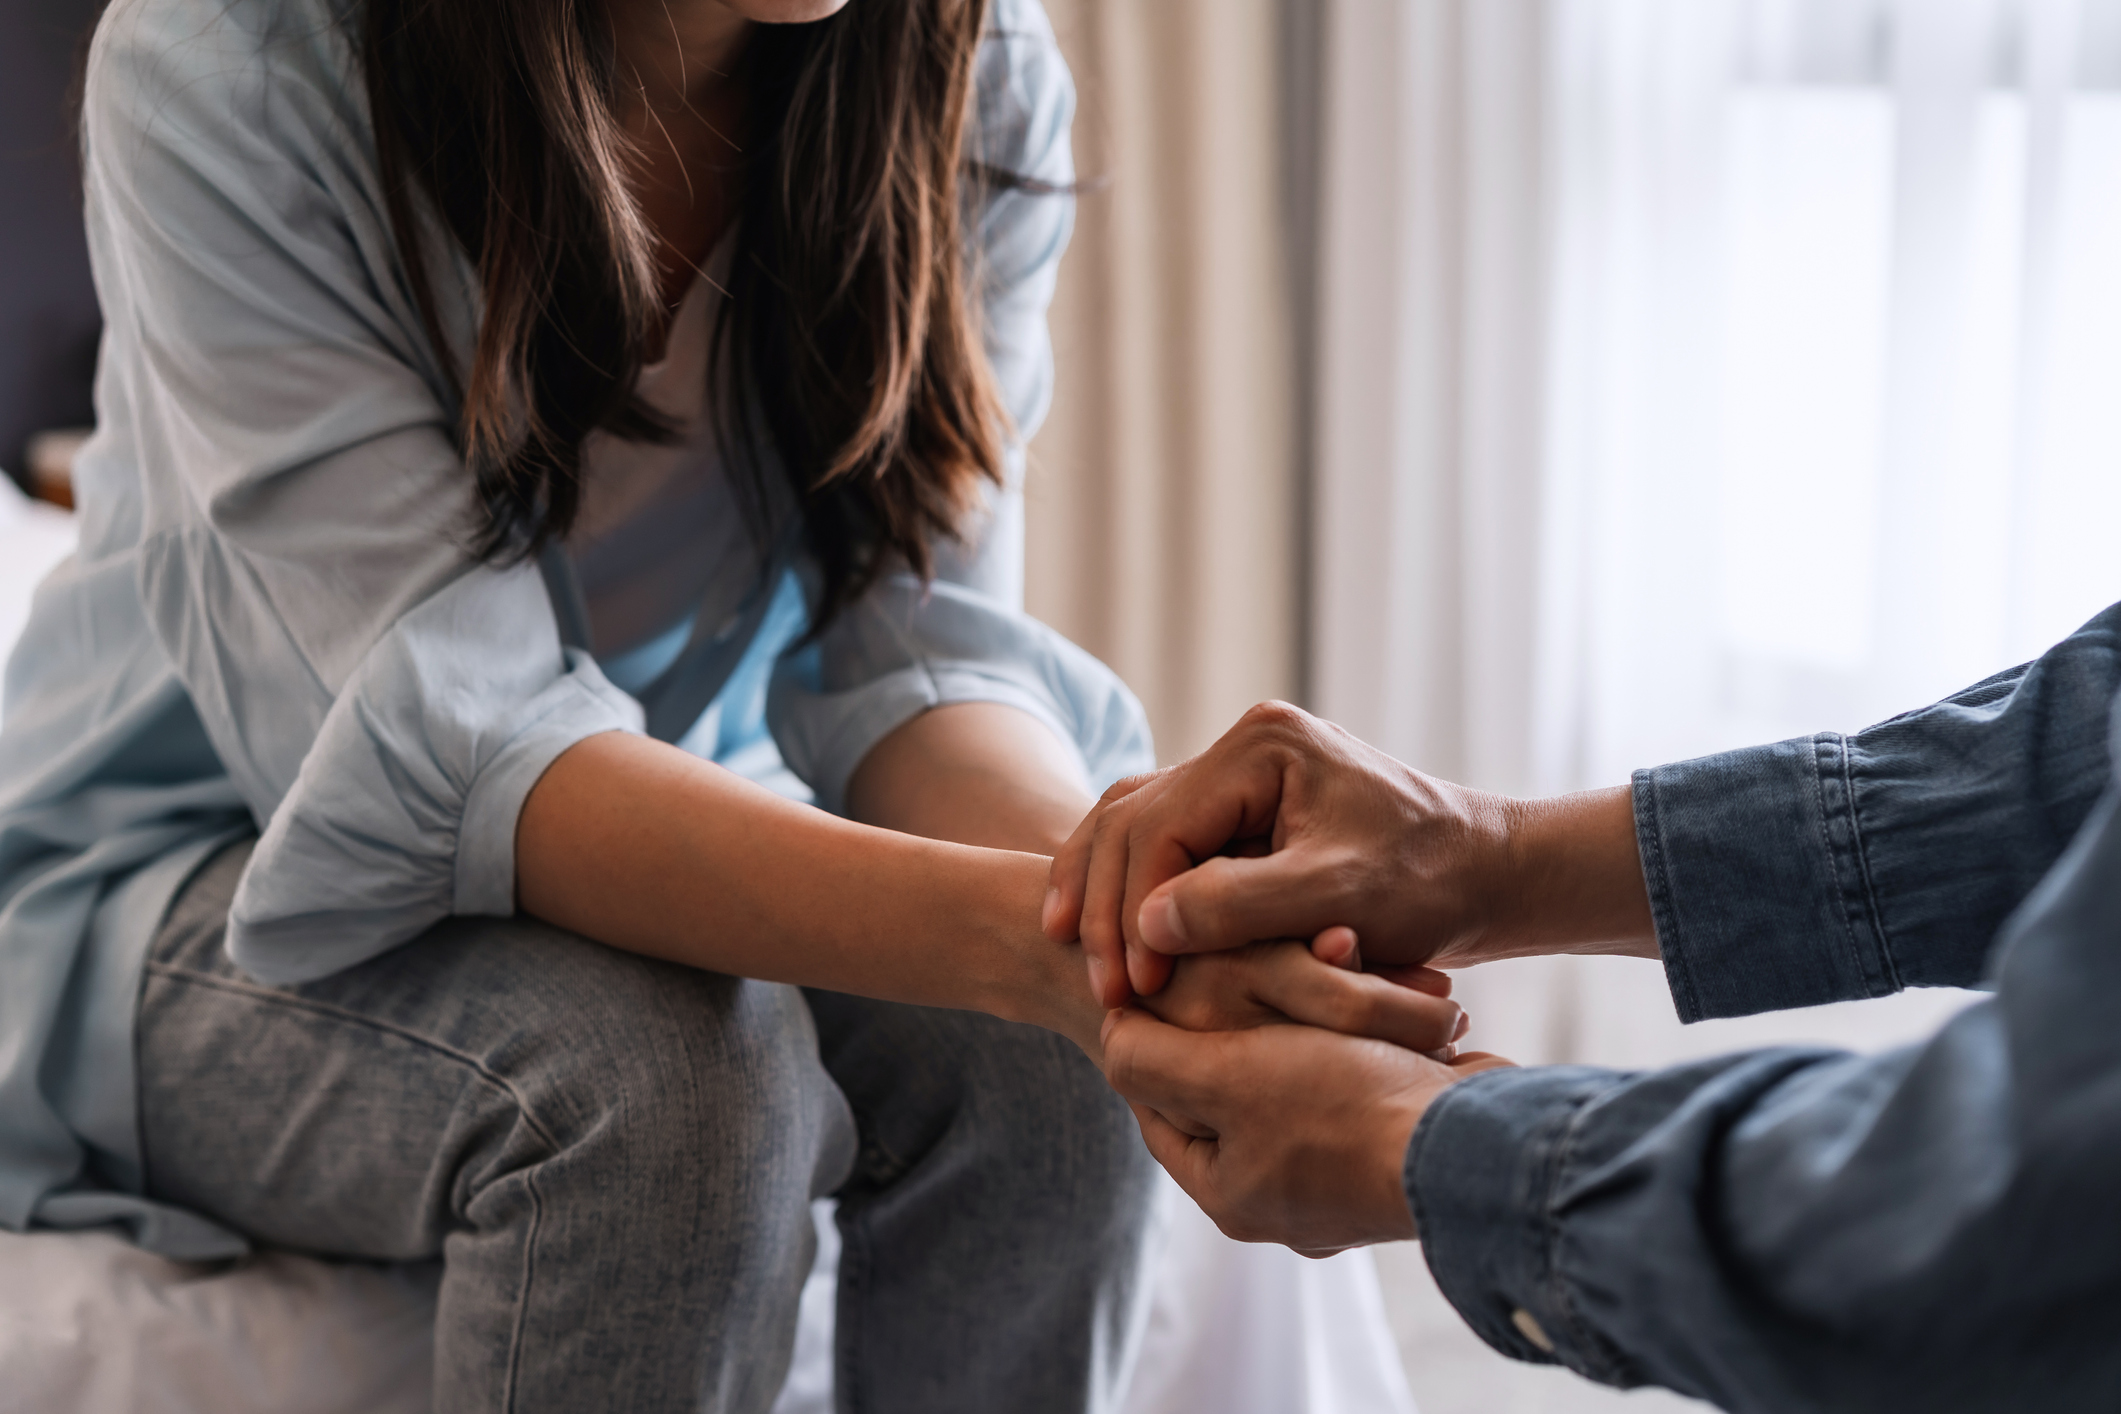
(1528, 1326)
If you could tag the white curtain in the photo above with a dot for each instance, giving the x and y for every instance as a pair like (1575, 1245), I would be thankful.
(1701, 372)
(1834, 379)
(1162, 497)
(1694, 373)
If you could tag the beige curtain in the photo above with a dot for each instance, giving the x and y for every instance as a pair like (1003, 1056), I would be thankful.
(1163, 499)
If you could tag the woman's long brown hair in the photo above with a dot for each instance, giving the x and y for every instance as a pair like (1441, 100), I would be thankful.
(850, 344)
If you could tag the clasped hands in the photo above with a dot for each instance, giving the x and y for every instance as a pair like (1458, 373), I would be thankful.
(1287, 1116)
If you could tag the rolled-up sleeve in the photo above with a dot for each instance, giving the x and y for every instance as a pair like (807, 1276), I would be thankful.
(381, 698)
(404, 810)
(1835, 867)
(907, 647)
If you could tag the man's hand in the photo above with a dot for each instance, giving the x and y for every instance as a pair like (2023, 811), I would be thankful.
(1289, 825)
(1294, 826)
(1285, 1134)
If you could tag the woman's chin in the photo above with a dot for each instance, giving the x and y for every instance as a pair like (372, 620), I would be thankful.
(786, 12)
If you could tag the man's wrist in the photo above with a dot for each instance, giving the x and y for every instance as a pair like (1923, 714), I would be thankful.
(1385, 1168)
(1567, 878)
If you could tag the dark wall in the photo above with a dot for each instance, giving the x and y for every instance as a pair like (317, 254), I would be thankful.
(48, 320)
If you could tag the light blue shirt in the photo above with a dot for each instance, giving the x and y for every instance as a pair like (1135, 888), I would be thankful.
(273, 624)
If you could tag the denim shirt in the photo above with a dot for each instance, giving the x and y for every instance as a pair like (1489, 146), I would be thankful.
(273, 623)
(1937, 1228)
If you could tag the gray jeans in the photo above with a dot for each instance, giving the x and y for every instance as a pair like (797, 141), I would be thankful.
(613, 1158)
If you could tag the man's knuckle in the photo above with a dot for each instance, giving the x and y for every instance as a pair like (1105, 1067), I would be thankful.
(1110, 819)
(1125, 786)
(1141, 831)
(1281, 724)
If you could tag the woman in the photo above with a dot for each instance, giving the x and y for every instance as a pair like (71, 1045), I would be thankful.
(485, 384)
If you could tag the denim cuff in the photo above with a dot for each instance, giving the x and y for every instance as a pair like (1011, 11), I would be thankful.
(1758, 882)
(1481, 1171)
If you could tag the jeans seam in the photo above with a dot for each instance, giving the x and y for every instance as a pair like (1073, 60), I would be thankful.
(140, 1084)
(530, 1271)
(847, 1333)
(274, 997)
(277, 997)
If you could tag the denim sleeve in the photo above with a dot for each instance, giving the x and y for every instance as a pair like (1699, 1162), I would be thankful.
(1933, 1228)
(1831, 867)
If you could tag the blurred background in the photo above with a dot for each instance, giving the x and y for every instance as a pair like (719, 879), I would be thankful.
(48, 320)
(1548, 388)
(1540, 388)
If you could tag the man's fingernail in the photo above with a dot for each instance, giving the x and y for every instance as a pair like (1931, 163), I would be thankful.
(1049, 908)
(1160, 923)
(1097, 977)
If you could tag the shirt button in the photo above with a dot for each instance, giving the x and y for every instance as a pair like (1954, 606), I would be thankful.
(1528, 1326)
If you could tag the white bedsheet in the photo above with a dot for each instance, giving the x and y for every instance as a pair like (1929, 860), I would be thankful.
(91, 1325)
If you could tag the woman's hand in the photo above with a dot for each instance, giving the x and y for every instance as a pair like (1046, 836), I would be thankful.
(644, 847)
(1265, 984)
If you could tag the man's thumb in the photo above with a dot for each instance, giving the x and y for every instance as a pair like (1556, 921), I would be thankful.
(1225, 903)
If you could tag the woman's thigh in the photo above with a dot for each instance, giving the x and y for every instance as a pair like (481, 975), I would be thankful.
(358, 1114)
(614, 1155)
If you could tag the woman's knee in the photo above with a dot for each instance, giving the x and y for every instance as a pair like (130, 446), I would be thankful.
(377, 1110)
(1046, 1100)
(695, 1076)
(948, 1087)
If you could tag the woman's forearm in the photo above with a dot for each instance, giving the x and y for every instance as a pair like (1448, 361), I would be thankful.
(644, 847)
(974, 772)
